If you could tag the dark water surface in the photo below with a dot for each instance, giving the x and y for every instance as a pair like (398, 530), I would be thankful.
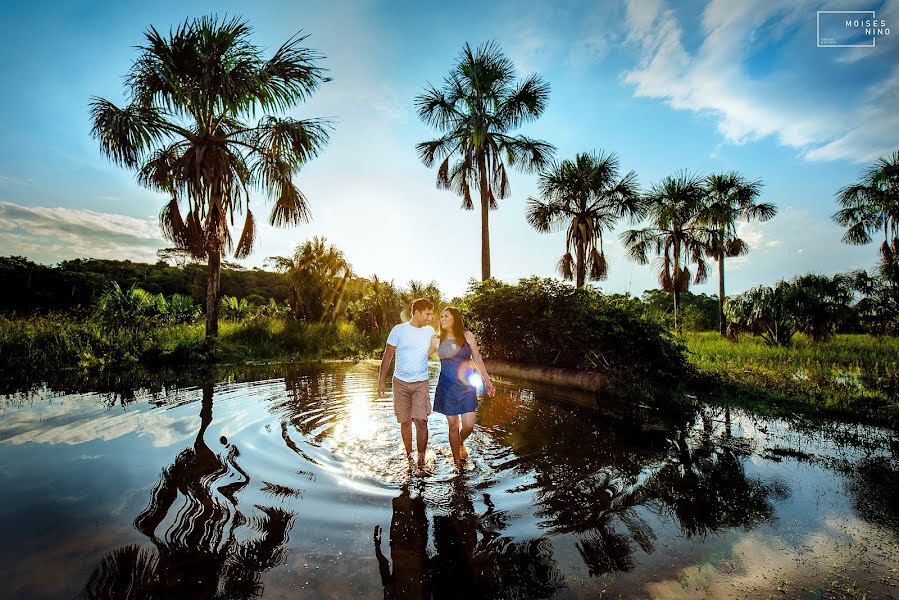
(290, 482)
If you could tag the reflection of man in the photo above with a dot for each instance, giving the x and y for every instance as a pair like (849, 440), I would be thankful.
(411, 342)
(408, 549)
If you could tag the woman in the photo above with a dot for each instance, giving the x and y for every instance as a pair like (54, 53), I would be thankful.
(457, 395)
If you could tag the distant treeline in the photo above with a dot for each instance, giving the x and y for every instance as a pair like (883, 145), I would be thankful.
(77, 285)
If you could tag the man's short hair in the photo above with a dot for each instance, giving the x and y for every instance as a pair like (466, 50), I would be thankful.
(422, 304)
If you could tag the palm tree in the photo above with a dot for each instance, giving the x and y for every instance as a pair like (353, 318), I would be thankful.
(479, 104)
(731, 198)
(318, 274)
(676, 234)
(587, 195)
(191, 130)
(873, 204)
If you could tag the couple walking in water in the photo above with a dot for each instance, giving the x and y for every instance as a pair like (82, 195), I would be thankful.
(456, 395)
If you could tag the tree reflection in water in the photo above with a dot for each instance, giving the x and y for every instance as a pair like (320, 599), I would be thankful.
(198, 556)
(472, 559)
(593, 477)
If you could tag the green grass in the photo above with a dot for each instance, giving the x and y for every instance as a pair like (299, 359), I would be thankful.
(854, 374)
(40, 343)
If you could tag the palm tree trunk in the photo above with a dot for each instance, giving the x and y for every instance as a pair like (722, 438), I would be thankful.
(677, 308)
(676, 282)
(485, 225)
(213, 284)
(722, 325)
(580, 266)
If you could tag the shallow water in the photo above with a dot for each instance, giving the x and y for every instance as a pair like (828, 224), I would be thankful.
(290, 482)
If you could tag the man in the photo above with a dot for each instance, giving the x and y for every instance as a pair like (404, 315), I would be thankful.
(411, 342)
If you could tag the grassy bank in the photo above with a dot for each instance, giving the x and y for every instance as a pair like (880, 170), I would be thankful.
(36, 344)
(850, 374)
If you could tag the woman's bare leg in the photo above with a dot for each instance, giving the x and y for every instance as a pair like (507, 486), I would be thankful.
(467, 426)
(454, 439)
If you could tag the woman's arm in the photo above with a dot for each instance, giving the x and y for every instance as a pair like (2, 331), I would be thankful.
(435, 342)
(479, 363)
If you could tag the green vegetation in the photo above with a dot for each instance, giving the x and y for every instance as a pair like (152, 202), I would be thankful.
(811, 304)
(75, 286)
(31, 347)
(849, 374)
(548, 323)
(202, 126)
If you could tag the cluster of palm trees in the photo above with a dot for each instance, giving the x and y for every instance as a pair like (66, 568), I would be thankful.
(690, 218)
(191, 129)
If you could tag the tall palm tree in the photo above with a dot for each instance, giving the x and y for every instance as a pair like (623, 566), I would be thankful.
(479, 104)
(872, 204)
(191, 130)
(318, 274)
(588, 196)
(731, 198)
(676, 234)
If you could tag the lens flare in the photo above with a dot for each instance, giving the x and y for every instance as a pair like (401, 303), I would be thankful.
(475, 380)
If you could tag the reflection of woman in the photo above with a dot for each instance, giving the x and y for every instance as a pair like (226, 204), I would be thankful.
(456, 395)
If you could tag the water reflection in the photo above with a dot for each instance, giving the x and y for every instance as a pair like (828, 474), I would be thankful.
(471, 558)
(552, 497)
(199, 554)
(405, 575)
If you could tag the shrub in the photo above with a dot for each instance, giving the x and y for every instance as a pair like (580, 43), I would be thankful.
(549, 323)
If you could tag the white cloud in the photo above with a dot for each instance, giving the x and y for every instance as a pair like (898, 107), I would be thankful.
(712, 79)
(50, 234)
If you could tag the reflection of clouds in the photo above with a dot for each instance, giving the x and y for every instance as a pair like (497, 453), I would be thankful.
(760, 565)
(61, 424)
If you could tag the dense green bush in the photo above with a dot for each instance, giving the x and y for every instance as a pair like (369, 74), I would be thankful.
(812, 304)
(549, 323)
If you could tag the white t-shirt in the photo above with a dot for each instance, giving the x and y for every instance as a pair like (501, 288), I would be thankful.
(412, 345)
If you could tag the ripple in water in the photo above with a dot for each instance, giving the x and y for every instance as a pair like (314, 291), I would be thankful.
(296, 482)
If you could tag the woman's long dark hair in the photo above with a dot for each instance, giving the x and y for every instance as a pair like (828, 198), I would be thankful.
(458, 327)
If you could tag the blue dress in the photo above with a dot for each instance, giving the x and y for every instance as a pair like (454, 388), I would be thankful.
(454, 395)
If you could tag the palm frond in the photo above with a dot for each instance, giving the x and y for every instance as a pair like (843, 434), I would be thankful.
(247, 237)
(599, 268)
(125, 134)
(290, 75)
(526, 103)
(565, 266)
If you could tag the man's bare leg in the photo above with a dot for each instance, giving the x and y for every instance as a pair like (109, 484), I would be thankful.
(466, 422)
(455, 440)
(421, 440)
(406, 430)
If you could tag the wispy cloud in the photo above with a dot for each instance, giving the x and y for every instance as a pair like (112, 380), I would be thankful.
(49, 234)
(852, 114)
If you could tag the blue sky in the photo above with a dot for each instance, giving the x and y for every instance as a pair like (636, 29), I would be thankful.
(703, 86)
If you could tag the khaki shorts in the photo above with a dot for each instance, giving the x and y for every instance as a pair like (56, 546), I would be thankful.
(411, 400)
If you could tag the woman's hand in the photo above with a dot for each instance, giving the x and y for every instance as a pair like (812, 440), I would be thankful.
(488, 387)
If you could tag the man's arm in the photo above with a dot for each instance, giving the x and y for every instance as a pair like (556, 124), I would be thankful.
(389, 351)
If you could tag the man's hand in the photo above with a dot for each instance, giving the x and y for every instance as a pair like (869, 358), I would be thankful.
(380, 389)
(491, 391)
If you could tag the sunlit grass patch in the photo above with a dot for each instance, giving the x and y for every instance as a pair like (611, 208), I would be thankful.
(850, 372)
